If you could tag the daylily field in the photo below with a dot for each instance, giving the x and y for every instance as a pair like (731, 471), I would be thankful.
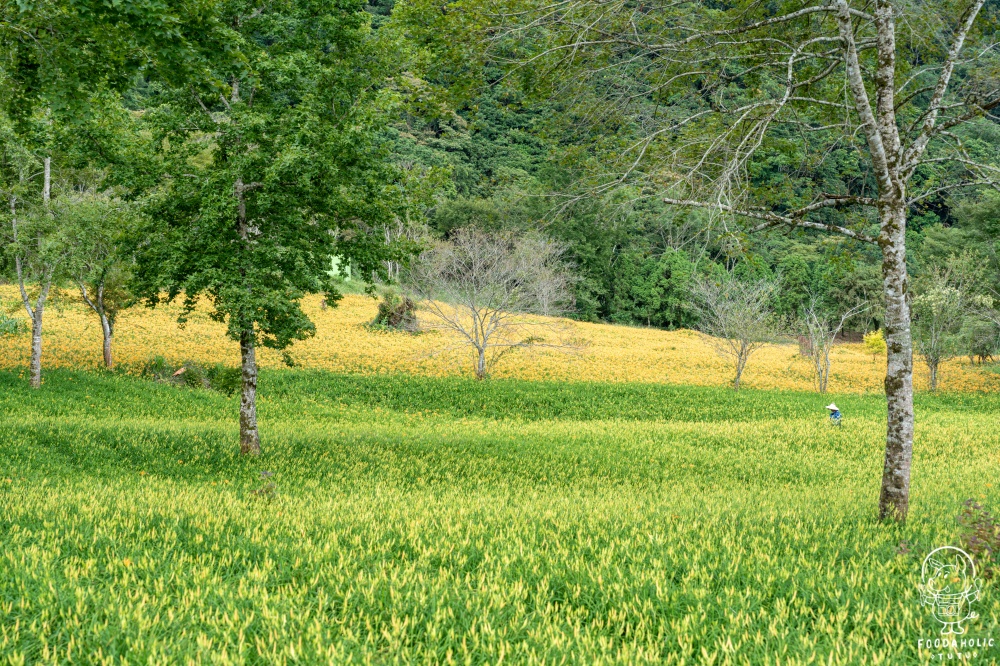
(344, 344)
(615, 506)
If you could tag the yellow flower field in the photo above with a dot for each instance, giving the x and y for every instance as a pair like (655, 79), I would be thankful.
(343, 343)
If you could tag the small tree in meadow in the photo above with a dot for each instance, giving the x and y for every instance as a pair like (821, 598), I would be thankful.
(874, 343)
(737, 316)
(980, 338)
(274, 164)
(100, 229)
(37, 247)
(482, 285)
(822, 324)
(939, 309)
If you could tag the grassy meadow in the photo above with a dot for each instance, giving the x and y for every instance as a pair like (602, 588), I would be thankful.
(438, 520)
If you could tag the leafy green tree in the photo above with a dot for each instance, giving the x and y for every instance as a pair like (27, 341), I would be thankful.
(979, 219)
(980, 338)
(462, 212)
(939, 310)
(55, 57)
(948, 302)
(938, 243)
(272, 166)
(36, 246)
(101, 231)
(654, 291)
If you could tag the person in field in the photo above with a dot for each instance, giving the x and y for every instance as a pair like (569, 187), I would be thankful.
(834, 413)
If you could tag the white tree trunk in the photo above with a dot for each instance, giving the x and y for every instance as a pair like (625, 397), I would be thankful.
(741, 362)
(823, 367)
(47, 182)
(895, 496)
(107, 325)
(249, 437)
(35, 365)
(481, 363)
(36, 313)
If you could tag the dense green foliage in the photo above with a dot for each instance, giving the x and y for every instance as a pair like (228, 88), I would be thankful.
(538, 145)
(451, 520)
(252, 217)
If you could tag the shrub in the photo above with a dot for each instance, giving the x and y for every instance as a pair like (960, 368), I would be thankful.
(980, 536)
(10, 326)
(158, 368)
(193, 375)
(217, 377)
(981, 339)
(396, 312)
(875, 343)
(224, 379)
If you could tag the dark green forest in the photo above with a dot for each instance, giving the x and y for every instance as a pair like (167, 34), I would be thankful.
(510, 155)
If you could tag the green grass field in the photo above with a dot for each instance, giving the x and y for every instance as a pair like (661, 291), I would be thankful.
(447, 521)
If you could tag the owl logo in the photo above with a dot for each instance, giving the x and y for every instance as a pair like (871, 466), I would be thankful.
(948, 584)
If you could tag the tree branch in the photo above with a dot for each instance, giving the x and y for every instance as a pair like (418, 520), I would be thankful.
(919, 144)
(793, 218)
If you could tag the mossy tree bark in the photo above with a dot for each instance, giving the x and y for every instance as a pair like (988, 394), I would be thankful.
(249, 437)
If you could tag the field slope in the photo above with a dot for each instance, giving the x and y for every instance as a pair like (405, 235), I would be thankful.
(439, 520)
(345, 344)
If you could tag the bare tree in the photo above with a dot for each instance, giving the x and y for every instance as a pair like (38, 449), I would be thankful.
(737, 316)
(822, 326)
(703, 88)
(484, 287)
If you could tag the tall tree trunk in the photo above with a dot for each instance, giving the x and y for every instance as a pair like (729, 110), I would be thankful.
(249, 439)
(47, 181)
(35, 313)
(934, 375)
(36, 316)
(825, 374)
(894, 499)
